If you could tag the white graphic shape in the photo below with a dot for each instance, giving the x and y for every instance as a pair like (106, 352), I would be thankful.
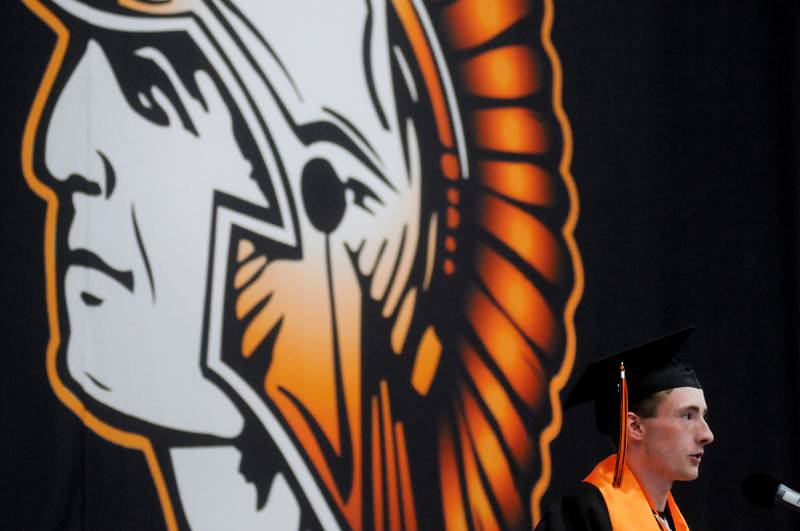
(216, 497)
(142, 194)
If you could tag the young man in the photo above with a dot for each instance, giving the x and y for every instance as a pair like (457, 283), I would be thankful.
(659, 405)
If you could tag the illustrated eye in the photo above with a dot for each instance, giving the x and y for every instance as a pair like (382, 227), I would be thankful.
(148, 80)
(148, 107)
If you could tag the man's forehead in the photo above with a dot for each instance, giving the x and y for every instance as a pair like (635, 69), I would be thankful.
(684, 398)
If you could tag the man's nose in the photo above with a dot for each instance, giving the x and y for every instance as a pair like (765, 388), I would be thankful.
(706, 435)
(72, 155)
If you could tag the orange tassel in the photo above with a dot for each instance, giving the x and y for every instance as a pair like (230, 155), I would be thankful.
(623, 428)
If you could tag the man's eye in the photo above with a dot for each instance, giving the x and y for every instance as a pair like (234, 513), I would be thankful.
(688, 415)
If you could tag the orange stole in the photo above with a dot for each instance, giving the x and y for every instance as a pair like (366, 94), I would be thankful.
(628, 506)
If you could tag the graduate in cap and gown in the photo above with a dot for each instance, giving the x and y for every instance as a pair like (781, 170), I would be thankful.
(653, 407)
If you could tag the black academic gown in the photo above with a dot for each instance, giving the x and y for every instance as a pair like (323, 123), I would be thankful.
(582, 509)
(586, 507)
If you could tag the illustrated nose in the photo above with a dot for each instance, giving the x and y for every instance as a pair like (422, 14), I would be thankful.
(95, 182)
(72, 158)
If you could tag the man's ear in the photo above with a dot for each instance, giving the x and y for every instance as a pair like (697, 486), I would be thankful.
(635, 430)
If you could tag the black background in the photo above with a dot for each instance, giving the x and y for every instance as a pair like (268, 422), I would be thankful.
(684, 152)
(685, 161)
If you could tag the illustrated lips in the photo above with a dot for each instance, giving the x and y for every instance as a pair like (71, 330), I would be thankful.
(89, 259)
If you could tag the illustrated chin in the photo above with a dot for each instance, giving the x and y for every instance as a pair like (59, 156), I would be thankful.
(78, 383)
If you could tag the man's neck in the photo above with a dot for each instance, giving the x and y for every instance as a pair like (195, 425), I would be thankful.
(655, 487)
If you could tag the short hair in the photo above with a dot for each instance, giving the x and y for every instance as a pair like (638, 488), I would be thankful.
(647, 407)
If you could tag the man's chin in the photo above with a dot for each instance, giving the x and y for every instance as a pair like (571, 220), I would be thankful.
(690, 474)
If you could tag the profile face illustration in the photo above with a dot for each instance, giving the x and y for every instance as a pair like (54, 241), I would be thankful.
(314, 251)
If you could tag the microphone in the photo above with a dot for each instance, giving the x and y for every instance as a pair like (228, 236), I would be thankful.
(764, 490)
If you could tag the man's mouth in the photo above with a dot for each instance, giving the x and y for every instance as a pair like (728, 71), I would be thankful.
(88, 259)
(696, 458)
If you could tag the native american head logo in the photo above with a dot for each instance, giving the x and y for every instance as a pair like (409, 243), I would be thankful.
(313, 259)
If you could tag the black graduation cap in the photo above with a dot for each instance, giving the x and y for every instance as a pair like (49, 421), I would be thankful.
(628, 377)
(649, 368)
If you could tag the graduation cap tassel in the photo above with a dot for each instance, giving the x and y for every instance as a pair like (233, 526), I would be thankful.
(623, 427)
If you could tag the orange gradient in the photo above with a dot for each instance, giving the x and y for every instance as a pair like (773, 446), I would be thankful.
(259, 326)
(244, 249)
(511, 130)
(506, 72)
(521, 181)
(496, 399)
(403, 321)
(479, 505)
(525, 234)
(427, 361)
(453, 218)
(453, 502)
(389, 457)
(492, 460)
(518, 363)
(406, 487)
(519, 297)
(453, 196)
(377, 467)
(450, 166)
(474, 22)
(247, 271)
(310, 378)
(252, 295)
